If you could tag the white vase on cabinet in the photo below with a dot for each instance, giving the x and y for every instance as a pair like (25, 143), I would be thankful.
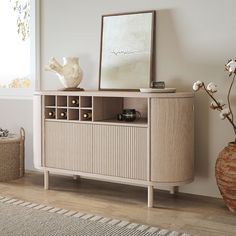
(70, 73)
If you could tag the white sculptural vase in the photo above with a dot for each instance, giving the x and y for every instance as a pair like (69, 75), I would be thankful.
(70, 73)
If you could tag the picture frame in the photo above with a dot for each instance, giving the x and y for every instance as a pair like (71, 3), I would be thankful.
(127, 51)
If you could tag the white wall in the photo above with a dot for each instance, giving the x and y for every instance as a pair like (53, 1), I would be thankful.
(194, 40)
(15, 113)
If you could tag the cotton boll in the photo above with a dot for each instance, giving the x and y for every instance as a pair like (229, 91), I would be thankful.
(211, 87)
(224, 113)
(222, 117)
(231, 66)
(197, 85)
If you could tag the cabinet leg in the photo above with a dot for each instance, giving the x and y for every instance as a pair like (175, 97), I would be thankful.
(150, 196)
(46, 179)
(174, 190)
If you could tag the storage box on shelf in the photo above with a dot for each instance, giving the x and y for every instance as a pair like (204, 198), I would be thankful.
(88, 140)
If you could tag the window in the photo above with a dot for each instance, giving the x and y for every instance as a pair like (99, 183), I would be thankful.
(17, 23)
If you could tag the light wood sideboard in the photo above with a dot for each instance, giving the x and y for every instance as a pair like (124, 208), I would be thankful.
(153, 151)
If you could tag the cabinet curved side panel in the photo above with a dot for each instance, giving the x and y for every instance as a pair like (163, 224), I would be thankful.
(37, 128)
(172, 135)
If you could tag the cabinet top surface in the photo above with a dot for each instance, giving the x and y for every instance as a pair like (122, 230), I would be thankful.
(114, 94)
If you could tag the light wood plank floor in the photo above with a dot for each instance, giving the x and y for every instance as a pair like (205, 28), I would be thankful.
(185, 213)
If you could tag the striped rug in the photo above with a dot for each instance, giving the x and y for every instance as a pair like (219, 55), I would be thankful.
(20, 218)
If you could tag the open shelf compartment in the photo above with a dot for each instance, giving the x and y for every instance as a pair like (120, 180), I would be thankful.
(50, 101)
(86, 115)
(98, 109)
(74, 114)
(50, 113)
(106, 109)
(73, 101)
(61, 113)
(61, 101)
(86, 101)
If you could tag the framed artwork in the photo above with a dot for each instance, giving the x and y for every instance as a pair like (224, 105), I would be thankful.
(127, 51)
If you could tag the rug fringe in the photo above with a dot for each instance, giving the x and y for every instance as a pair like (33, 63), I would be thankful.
(145, 229)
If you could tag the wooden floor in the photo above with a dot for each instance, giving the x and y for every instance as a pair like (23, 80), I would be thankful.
(185, 213)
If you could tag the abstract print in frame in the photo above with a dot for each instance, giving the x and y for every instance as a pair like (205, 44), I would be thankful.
(127, 51)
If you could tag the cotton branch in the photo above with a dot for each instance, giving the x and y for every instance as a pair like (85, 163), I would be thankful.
(220, 107)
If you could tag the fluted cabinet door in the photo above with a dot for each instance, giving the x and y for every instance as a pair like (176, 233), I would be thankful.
(120, 151)
(68, 146)
(172, 134)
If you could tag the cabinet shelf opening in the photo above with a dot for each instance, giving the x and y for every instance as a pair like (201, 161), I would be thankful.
(62, 114)
(86, 115)
(50, 100)
(74, 101)
(74, 114)
(50, 113)
(61, 101)
(86, 101)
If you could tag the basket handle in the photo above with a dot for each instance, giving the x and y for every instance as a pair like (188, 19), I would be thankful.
(22, 133)
(22, 152)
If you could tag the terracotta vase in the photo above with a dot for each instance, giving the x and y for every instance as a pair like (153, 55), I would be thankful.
(225, 171)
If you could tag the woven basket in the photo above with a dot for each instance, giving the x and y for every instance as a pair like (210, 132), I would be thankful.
(12, 156)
